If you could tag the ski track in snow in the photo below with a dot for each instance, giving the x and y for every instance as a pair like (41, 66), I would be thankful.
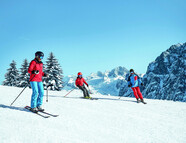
(107, 120)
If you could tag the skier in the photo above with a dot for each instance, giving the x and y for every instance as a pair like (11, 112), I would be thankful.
(36, 72)
(134, 81)
(80, 84)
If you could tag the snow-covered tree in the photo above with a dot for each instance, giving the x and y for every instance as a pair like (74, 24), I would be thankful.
(12, 76)
(24, 75)
(55, 73)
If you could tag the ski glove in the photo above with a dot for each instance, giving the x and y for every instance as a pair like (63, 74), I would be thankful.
(35, 72)
(87, 85)
(45, 75)
(78, 86)
(129, 85)
(141, 84)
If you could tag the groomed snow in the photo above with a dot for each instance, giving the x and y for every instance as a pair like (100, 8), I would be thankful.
(107, 120)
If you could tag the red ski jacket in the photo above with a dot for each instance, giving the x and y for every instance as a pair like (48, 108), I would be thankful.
(80, 82)
(36, 65)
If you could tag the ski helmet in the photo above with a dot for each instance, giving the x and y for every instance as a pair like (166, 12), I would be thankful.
(79, 73)
(39, 54)
(131, 70)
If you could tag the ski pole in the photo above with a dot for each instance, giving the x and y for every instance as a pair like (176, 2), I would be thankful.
(47, 92)
(69, 92)
(22, 91)
(47, 96)
(89, 90)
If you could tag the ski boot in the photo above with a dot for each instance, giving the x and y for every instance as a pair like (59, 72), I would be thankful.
(90, 97)
(143, 101)
(40, 108)
(138, 101)
(35, 110)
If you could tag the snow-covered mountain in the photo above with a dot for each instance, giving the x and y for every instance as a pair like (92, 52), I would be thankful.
(69, 82)
(107, 83)
(106, 120)
(166, 76)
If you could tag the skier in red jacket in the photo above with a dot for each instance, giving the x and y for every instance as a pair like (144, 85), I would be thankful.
(80, 84)
(36, 73)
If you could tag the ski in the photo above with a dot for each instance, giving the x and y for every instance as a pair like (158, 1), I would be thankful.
(144, 102)
(28, 108)
(49, 114)
(93, 98)
(44, 112)
(89, 98)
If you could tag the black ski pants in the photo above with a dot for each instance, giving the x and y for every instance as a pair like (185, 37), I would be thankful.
(85, 91)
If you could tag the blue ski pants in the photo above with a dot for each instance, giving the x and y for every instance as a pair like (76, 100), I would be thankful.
(37, 94)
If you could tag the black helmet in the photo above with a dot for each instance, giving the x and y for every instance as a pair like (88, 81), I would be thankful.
(39, 54)
(131, 70)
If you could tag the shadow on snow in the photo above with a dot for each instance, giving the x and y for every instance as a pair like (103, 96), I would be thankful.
(13, 108)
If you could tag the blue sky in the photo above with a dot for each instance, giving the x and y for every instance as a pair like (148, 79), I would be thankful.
(90, 35)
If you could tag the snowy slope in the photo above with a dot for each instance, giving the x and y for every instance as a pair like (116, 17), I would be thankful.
(107, 120)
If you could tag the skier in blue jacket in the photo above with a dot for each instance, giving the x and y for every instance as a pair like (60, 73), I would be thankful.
(134, 81)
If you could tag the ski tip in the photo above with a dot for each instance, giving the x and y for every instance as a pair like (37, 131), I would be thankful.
(47, 117)
(27, 107)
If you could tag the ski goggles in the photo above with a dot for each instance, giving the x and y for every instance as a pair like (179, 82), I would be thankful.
(80, 75)
(131, 72)
(41, 57)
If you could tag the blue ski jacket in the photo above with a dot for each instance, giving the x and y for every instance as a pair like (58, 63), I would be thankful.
(134, 80)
